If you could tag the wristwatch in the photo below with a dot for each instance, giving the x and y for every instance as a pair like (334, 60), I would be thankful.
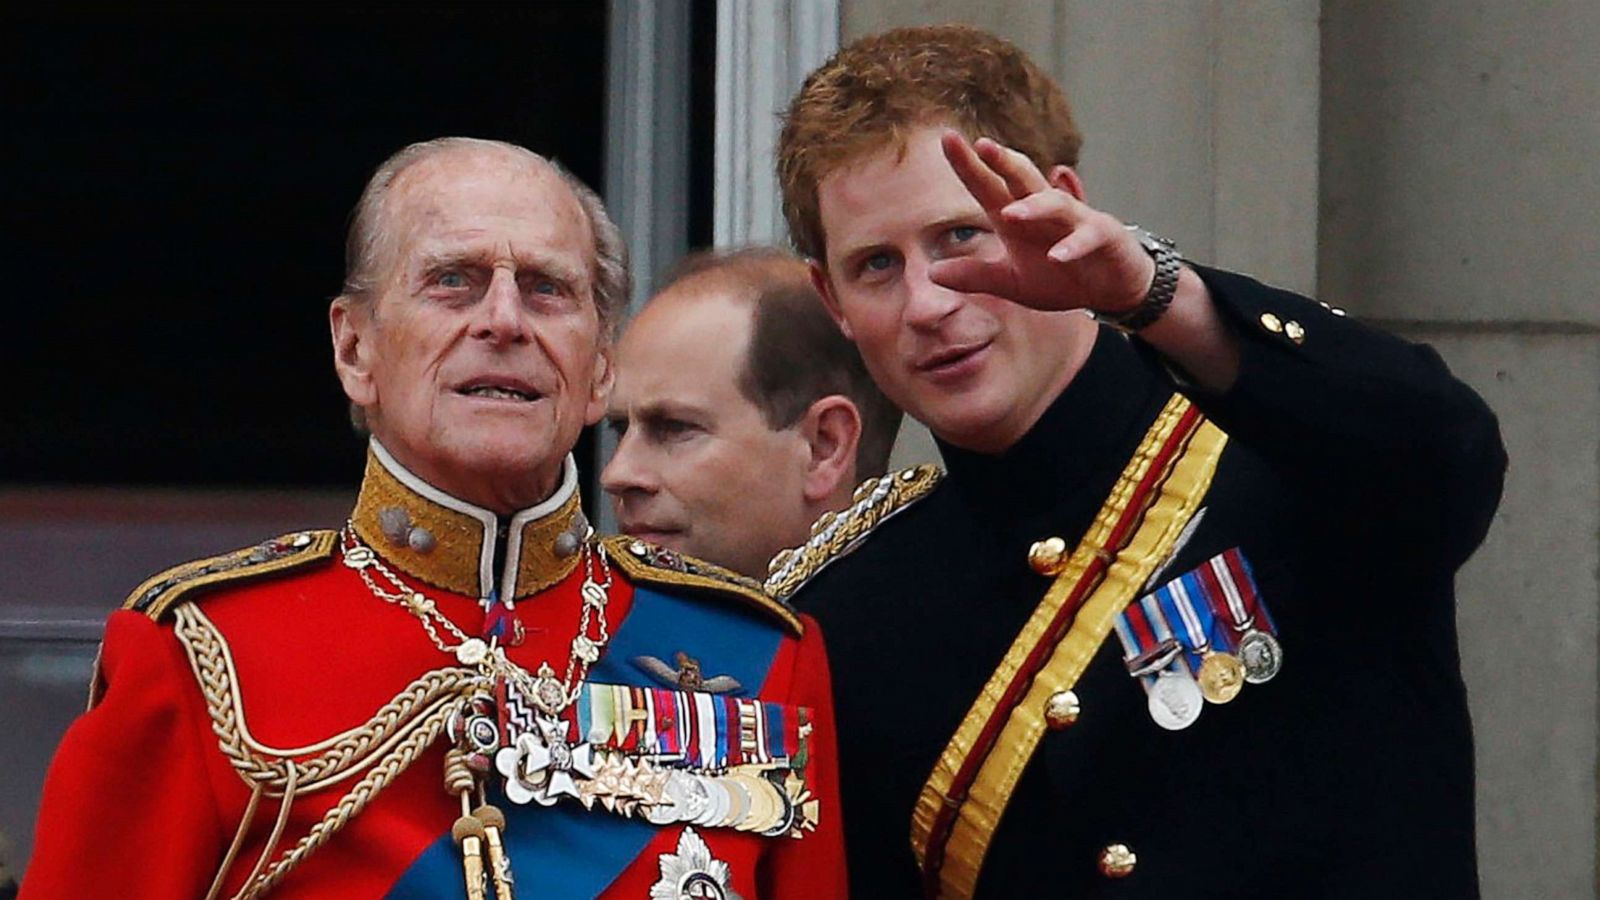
(1162, 287)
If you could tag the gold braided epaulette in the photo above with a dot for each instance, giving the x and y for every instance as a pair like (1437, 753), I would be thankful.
(161, 592)
(836, 534)
(645, 562)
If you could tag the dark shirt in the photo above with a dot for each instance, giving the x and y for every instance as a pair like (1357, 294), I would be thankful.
(1358, 477)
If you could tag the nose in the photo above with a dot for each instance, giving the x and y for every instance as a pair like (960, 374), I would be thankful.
(927, 303)
(501, 318)
(628, 473)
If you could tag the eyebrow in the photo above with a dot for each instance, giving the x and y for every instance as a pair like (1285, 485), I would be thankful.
(434, 260)
(851, 255)
(657, 410)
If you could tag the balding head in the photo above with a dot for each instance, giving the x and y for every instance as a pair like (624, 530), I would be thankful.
(370, 234)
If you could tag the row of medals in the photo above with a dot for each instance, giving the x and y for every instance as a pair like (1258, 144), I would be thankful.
(765, 798)
(1177, 697)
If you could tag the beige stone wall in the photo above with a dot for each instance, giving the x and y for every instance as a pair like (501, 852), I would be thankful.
(1431, 166)
(1461, 204)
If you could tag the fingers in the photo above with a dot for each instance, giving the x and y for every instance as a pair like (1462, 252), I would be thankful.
(1021, 176)
(1049, 206)
(985, 185)
(972, 275)
(1093, 234)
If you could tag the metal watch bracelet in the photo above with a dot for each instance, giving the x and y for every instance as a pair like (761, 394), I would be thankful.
(1162, 287)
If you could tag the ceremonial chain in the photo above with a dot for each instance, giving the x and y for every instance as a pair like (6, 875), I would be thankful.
(550, 694)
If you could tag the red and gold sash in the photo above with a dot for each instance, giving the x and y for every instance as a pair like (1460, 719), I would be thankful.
(1134, 532)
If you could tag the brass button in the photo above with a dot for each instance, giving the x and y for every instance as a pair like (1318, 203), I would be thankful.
(1062, 710)
(1271, 323)
(1294, 331)
(1049, 556)
(1117, 861)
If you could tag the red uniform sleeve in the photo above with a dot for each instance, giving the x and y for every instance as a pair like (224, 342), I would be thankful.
(814, 865)
(128, 809)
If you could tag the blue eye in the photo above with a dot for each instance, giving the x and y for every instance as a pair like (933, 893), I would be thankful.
(963, 233)
(452, 279)
(546, 286)
(877, 262)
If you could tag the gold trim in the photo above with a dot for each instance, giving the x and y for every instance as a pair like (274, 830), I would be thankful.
(378, 750)
(455, 559)
(646, 563)
(835, 534)
(979, 815)
(161, 592)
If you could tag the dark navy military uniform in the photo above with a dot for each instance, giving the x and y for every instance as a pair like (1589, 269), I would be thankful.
(1358, 477)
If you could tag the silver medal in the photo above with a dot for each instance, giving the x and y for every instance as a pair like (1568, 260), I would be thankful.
(686, 800)
(717, 804)
(1175, 700)
(1261, 654)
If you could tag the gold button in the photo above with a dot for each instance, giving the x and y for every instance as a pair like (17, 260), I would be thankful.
(1062, 710)
(1117, 861)
(1294, 331)
(1049, 556)
(1271, 323)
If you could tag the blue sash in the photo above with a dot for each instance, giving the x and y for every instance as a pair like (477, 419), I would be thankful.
(564, 850)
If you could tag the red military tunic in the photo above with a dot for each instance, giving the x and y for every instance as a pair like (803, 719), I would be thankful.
(291, 648)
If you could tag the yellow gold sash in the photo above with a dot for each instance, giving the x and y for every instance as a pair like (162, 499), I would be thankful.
(1157, 493)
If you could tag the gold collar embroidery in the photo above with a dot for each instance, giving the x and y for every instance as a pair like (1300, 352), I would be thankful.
(451, 544)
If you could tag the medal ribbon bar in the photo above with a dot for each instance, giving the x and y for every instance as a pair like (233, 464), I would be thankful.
(965, 795)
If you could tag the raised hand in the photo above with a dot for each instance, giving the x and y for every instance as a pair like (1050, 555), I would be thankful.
(1060, 253)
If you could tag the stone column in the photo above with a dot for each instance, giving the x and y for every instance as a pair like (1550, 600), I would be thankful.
(1461, 207)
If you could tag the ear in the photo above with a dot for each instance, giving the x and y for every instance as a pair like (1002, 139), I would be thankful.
(350, 322)
(1066, 178)
(824, 288)
(605, 376)
(831, 428)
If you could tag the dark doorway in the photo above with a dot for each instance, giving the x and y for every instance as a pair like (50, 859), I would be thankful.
(178, 189)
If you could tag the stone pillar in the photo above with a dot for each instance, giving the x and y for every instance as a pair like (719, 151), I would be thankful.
(1461, 206)
(765, 48)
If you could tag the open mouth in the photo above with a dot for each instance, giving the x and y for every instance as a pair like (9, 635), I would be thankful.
(494, 389)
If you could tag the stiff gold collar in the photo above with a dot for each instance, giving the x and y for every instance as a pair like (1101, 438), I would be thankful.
(451, 544)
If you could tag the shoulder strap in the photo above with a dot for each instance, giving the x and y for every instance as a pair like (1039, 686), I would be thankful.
(646, 563)
(292, 551)
(834, 535)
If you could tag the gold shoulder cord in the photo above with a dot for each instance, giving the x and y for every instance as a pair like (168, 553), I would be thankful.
(835, 534)
(378, 751)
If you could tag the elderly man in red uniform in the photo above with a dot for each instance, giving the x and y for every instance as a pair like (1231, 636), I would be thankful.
(462, 692)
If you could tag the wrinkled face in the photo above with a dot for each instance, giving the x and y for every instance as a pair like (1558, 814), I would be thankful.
(976, 369)
(480, 361)
(697, 469)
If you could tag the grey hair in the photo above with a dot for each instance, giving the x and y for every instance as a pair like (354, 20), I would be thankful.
(610, 273)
